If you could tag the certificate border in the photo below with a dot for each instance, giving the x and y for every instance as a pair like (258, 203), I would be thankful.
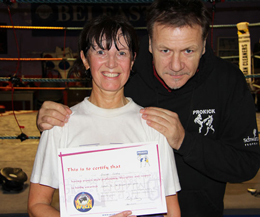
(61, 155)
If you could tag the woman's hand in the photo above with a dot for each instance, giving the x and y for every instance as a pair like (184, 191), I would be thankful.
(124, 214)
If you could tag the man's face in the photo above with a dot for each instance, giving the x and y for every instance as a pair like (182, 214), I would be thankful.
(176, 53)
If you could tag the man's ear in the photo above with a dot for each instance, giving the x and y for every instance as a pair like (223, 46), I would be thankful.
(150, 45)
(84, 60)
(204, 47)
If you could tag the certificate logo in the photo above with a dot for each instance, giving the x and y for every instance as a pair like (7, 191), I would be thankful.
(83, 202)
(142, 156)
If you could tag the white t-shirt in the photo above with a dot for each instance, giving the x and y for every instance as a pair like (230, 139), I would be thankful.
(89, 124)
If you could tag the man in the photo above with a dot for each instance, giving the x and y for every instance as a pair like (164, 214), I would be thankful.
(201, 104)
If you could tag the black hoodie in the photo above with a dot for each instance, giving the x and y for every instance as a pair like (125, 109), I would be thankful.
(217, 112)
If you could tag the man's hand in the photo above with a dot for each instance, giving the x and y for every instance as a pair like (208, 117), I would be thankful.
(167, 123)
(52, 114)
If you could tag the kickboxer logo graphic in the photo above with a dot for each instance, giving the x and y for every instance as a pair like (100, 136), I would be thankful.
(206, 123)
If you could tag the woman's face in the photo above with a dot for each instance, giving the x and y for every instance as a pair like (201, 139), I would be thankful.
(110, 69)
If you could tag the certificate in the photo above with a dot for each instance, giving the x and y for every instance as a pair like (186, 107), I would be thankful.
(106, 180)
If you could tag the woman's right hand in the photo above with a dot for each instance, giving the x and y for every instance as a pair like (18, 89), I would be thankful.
(124, 214)
(52, 114)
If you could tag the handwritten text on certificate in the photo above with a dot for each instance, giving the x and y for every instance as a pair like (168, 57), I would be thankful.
(102, 181)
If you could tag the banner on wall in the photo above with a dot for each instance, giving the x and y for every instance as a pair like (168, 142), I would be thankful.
(244, 43)
(75, 15)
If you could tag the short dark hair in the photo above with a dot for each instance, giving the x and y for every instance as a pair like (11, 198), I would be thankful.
(178, 13)
(107, 27)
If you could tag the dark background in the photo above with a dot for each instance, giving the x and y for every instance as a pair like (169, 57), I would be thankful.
(32, 43)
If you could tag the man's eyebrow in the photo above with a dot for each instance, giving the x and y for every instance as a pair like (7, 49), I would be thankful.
(162, 46)
(191, 47)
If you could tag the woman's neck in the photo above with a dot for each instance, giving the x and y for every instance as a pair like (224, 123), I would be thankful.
(108, 100)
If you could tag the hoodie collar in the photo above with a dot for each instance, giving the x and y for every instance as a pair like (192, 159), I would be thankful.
(160, 80)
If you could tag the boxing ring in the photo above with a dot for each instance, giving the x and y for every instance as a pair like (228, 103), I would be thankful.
(19, 136)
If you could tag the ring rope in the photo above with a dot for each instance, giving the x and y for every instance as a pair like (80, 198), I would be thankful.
(233, 25)
(48, 27)
(46, 88)
(83, 1)
(73, 59)
(96, 1)
(41, 27)
(37, 59)
(80, 28)
(253, 76)
(68, 79)
(15, 137)
(45, 79)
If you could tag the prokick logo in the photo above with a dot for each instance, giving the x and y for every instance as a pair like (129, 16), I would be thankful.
(205, 120)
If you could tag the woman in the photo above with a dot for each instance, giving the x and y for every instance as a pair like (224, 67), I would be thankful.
(108, 48)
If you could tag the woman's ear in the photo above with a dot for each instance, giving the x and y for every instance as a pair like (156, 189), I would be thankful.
(84, 60)
(133, 60)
